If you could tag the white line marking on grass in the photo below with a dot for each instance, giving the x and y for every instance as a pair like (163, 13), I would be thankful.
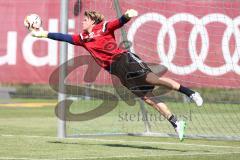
(125, 141)
(130, 156)
(161, 155)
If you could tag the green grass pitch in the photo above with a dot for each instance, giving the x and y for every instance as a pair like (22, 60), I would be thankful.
(30, 133)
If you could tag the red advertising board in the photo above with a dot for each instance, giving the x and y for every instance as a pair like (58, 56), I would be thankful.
(198, 41)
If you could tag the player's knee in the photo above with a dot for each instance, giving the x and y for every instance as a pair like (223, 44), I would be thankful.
(148, 100)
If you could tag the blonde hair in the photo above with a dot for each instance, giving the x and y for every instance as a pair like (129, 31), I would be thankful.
(95, 16)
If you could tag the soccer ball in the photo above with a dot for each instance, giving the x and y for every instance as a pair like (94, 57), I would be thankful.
(32, 22)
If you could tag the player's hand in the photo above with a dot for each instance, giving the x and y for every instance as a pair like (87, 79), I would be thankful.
(131, 13)
(40, 33)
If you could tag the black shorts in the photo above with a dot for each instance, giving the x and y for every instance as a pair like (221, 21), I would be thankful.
(132, 71)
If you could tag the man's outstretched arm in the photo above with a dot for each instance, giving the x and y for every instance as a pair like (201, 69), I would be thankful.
(60, 37)
(117, 23)
(73, 39)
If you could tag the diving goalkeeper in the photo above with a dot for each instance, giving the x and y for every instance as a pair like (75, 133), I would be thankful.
(133, 73)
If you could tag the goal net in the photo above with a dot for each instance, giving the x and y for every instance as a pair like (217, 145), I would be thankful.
(198, 42)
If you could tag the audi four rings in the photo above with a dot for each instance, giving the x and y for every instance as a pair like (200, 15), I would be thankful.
(231, 62)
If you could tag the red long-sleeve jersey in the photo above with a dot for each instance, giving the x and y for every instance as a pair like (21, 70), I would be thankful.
(101, 42)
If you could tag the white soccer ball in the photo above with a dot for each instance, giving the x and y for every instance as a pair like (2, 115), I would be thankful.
(32, 22)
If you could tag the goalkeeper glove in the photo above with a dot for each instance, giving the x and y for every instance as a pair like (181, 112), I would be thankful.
(130, 13)
(39, 33)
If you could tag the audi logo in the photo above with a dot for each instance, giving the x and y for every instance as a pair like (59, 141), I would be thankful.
(231, 60)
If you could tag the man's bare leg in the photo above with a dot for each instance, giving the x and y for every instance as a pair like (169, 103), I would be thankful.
(162, 108)
(153, 79)
(164, 81)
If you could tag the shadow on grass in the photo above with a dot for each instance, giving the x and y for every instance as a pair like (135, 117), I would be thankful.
(129, 146)
(145, 147)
